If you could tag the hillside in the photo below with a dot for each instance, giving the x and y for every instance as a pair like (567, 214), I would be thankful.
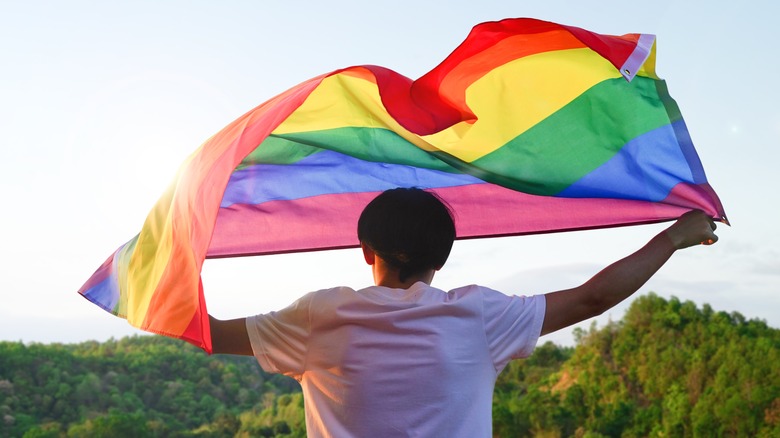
(667, 369)
(137, 387)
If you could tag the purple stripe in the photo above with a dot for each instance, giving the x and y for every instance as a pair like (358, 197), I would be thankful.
(638, 57)
(329, 172)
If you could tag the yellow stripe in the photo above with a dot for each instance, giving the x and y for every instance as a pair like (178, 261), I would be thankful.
(506, 107)
(152, 254)
(648, 68)
(149, 260)
(122, 264)
(345, 100)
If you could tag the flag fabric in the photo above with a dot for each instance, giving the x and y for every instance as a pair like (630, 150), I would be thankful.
(527, 127)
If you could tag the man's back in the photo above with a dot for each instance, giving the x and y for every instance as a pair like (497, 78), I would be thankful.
(395, 362)
(404, 359)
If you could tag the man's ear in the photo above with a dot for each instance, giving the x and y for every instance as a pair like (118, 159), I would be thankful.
(368, 254)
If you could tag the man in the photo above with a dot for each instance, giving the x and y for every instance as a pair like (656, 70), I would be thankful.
(402, 358)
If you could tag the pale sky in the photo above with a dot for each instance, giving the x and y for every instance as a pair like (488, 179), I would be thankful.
(101, 101)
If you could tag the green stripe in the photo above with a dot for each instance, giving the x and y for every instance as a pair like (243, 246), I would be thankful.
(544, 160)
(277, 150)
(671, 106)
(576, 139)
(370, 144)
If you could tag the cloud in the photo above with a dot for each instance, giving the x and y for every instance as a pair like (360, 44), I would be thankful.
(768, 264)
(754, 296)
(547, 279)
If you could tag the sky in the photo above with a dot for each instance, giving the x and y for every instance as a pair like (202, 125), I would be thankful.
(101, 101)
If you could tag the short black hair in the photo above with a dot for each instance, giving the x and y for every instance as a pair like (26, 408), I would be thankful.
(409, 228)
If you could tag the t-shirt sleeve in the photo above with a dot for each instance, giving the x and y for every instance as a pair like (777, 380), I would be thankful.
(513, 325)
(279, 338)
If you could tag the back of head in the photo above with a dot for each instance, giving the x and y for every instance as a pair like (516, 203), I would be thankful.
(409, 228)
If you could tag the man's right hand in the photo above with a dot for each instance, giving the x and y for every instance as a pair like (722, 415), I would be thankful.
(692, 228)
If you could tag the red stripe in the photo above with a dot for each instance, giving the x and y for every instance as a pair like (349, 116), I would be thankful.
(480, 53)
(195, 333)
(437, 99)
(194, 211)
(616, 49)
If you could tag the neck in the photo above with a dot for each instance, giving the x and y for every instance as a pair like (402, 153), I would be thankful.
(387, 276)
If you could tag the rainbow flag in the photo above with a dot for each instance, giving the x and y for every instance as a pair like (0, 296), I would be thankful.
(527, 127)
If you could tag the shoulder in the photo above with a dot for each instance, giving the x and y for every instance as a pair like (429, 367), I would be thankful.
(326, 299)
(494, 301)
(333, 292)
(469, 289)
(474, 290)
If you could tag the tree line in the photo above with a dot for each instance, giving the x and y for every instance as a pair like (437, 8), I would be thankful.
(668, 368)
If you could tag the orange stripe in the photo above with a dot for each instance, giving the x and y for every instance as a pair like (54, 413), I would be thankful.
(453, 86)
(174, 302)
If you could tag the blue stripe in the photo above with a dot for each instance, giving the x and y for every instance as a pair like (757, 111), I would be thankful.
(686, 145)
(105, 294)
(329, 172)
(646, 168)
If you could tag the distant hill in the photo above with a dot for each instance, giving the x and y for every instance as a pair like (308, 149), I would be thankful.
(667, 369)
(141, 386)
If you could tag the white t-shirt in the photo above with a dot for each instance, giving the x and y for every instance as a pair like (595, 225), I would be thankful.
(383, 362)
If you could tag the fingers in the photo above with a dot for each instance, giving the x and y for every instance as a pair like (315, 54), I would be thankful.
(693, 228)
(712, 236)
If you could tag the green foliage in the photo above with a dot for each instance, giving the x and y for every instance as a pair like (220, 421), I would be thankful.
(281, 416)
(668, 369)
(139, 386)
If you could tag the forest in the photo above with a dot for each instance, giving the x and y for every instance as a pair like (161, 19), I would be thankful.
(668, 368)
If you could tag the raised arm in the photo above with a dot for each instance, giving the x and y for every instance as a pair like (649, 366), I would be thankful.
(624, 277)
(230, 336)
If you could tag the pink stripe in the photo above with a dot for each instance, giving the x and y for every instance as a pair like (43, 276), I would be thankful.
(317, 222)
(699, 197)
(481, 210)
(489, 210)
